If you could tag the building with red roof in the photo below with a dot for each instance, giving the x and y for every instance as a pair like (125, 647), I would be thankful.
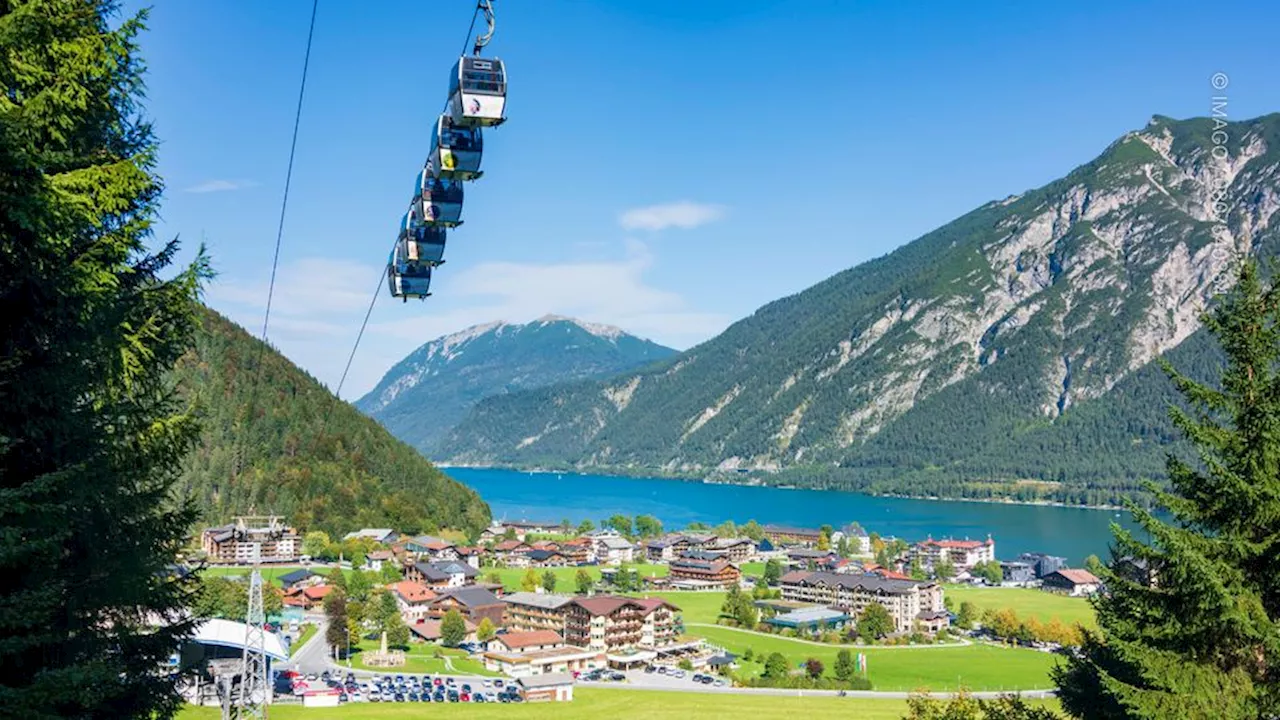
(613, 623)
(962, 554)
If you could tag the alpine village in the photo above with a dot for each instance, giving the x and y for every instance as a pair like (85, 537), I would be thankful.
(968, 412)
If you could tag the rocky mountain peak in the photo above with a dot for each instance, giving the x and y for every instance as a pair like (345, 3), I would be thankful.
(1009, 317)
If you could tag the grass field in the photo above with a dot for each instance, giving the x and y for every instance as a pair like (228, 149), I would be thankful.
(598, 703)
(695, 607)
(565, 576)
(420, 659)
(1026, 602)
(269, 574)
(308, 629)
(977, 667)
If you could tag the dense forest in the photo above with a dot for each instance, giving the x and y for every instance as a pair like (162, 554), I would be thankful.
(304, 453)
(1012, 353)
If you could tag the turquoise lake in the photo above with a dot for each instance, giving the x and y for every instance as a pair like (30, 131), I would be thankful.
(1073, 533)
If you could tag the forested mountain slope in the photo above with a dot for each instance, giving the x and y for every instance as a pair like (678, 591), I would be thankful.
(1012, 344)
(435, 386)
(355, 475)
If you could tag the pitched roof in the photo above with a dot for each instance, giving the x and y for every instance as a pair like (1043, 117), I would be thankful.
(380, 555)
(607, 604)
(807, 553)
(378, 534)
(441, 571)
(430, 629)
(715, 565)
(317, 592)
(471, 596)
(546, 601)
(544, 554)
(795, 576)
(869, 582)
(1079, 577)
(412, 592)
(296, 576)
(530, 638)
(615, 543)
(958, 544)
(509, 545)
(699, 555)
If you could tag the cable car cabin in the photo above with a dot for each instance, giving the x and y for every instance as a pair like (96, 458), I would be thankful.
(478, 92)
(425, 242)
(455, 151)
(407, 278)
(437, 202)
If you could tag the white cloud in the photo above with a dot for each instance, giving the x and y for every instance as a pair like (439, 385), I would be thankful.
(683, 214)
(319, 304)
(210, 186)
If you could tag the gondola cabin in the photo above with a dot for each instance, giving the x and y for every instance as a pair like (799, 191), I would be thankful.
(437, 202)
(425, 242)
(407, 278)
(455, 151)
(478, 92)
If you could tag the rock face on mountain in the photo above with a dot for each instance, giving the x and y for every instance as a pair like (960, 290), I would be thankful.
(1030, 322)
(435, 386)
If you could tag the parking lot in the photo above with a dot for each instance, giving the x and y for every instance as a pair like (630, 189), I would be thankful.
(676, 680)
(402, 688)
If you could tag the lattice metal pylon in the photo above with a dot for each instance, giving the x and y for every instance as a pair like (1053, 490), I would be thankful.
(254, 687)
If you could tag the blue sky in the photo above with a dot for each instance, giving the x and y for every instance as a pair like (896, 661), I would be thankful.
(668, 166)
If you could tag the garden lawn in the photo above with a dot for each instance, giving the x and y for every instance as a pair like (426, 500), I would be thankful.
(1026, 602)
(565, 576)
(597, 703)
(419, 659)
(976, 667)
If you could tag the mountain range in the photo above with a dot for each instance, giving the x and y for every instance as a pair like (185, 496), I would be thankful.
(433, 388)
(1008, 353)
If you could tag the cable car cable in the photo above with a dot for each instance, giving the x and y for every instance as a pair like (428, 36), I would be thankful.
(485, 6)
(482, 5)
(275, 260)
(377, 290)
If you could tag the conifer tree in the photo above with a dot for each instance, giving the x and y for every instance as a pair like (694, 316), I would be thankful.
(1187, 625)
(92, 434)
(453, 628)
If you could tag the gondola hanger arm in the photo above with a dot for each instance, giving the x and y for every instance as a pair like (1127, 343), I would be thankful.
(486, 7)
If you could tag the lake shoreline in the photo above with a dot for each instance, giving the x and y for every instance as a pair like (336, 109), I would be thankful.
(1064, 531)
(706, 481)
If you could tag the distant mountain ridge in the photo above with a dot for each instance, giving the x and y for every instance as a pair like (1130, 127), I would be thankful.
(1006, 354)
(431, 389)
